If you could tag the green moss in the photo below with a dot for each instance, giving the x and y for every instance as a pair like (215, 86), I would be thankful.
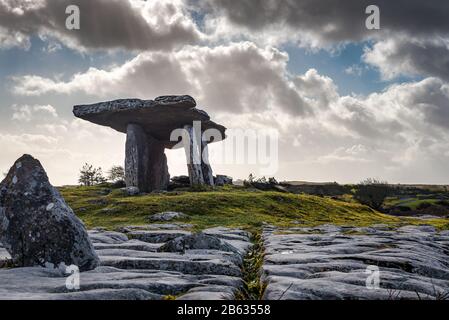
(253, 288)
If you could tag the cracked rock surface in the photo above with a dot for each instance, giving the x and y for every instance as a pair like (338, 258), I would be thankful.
(136, 269)
(330, 262)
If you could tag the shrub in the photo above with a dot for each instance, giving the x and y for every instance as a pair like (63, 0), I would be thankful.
(90, 176)
(372, 192)
(116, 174)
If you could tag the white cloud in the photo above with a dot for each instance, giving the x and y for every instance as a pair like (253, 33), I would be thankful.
(26, 112)
(62, 147)
(410, 56)
(237, 77)
(354, 70)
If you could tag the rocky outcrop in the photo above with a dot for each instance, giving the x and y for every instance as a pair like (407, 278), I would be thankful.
(136, 270)
(168, 216)
(197, 241)
(330, 262)
(37, 226)
(179, 182)
(222, 180)
(130, 191)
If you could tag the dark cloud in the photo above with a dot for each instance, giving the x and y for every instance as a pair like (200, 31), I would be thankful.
(105, 24)
(413, 39)
(399, 55)
(334, 20)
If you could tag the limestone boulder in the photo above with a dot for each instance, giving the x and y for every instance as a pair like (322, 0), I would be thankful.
(168, 216)
(221, 180)
(130, 191)
(37, 227)
(197, 241)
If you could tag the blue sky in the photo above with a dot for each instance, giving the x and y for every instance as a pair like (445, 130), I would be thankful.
(347, 103)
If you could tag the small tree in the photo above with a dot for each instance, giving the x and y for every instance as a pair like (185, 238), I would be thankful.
(90, 176)
(248, 182)
(372, 192)
(116, 173)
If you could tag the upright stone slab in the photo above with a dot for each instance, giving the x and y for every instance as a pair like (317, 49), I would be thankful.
(193, 155)
(36, 225)
(145, 162)
(208, 175)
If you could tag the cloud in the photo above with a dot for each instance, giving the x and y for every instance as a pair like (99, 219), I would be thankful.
(413, 38)
(240, 77)
(10, 39)
(398, 56)
(105, 24)
(62, 147)
(327, 21)
(389, 134)
(354, 70)
(26, 112)
(412, 35)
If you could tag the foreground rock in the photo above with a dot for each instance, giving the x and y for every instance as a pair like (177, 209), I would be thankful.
(37, 226)
(5, 257)
(135, 269)
(330, 262)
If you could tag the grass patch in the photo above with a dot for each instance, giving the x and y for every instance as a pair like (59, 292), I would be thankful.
(412, 203)
(253, 288)
(228, 206)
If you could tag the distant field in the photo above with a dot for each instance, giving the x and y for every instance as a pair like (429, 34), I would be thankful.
(227, 206)
(412, 203)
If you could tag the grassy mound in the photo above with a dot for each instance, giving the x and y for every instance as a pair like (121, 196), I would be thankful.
(227, 206)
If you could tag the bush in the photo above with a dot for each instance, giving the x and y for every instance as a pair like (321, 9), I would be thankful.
(116, 174)
(252, 181)
(372, 192)
(90, 176)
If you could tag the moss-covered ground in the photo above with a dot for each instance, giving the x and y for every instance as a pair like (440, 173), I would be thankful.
(101, 206)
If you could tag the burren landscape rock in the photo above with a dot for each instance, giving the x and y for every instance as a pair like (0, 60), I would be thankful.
(168, 216)
(198, 241)
(221, 180)
(37, 226)
(130, 191)
(135, 270)
(331, 262)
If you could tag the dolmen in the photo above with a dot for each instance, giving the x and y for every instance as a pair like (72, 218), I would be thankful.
(151, 126)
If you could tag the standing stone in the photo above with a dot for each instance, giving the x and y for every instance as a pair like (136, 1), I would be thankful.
(36, 225)
(205, 164)
(145, 162)
(193, 157)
